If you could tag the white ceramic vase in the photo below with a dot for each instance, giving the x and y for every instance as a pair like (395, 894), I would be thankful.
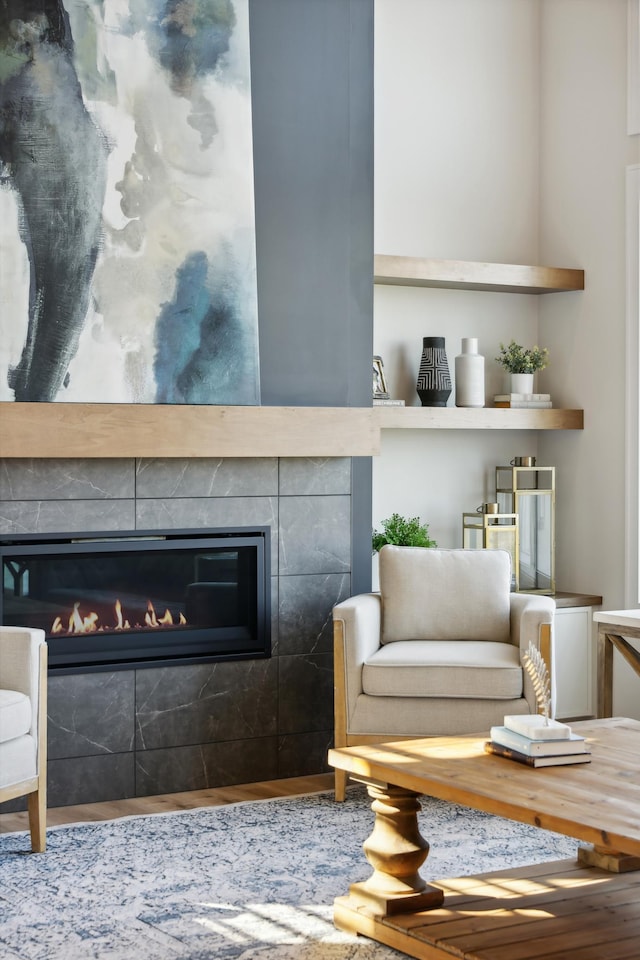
(521, 383)
(469, 369)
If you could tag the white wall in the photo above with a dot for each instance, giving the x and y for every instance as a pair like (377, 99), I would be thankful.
(456, 176)
(584, 153)
(501, 136)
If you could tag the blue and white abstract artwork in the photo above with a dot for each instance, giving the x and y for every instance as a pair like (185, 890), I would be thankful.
(127, 230)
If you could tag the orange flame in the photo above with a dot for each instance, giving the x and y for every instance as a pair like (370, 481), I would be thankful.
(167, 620)
(79, 624)
(90, 623)
(121, 623)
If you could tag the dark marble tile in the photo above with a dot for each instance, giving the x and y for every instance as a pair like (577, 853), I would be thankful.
(304, 754)
(190, 512)
(306, 604)
(315, 535)
(275, 619)
(305, 693)
(207, 765)
(91, 779)
(190, 704)
(65, 516)
(240, 477)
(91, 713)
(305, 476)
(67, 479)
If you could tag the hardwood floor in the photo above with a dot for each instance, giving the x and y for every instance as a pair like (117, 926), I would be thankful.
(111, 810)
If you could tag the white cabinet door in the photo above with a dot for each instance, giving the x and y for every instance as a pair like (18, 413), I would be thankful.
(574, 651)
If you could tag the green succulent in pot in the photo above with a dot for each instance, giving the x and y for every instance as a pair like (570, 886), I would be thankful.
(518, 359)
(402, 532)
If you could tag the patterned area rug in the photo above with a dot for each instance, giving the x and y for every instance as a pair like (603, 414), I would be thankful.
(249, 881)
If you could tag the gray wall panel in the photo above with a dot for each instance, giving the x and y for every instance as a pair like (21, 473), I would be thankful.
(312, 102)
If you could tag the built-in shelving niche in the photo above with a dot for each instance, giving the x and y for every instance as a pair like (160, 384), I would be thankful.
(469, 275)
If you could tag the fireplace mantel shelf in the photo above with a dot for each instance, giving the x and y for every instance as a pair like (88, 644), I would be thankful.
(81, 430)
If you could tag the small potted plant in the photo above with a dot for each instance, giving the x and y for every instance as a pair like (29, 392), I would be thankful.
(522, 363)
(402, 532)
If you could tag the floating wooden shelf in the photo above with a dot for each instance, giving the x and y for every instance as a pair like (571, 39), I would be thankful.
(486, 418)
(79, 430)
(467, 275)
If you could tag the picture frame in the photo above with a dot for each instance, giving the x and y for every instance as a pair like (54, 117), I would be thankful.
(380, 391)
(127, 214)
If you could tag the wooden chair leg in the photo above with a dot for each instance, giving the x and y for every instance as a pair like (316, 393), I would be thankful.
(37, 806)
(340, 785)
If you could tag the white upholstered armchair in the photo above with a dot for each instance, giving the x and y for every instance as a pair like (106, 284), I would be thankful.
(23, 724)
(438, 651)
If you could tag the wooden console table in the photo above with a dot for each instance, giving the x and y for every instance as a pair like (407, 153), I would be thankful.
(613, 627)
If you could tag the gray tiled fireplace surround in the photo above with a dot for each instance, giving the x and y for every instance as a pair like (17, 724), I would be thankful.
(167, 729)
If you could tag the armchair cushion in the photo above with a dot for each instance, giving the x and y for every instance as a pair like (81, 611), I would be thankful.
(432, 594)
(19, 760)
(477, 669)
(15, 715)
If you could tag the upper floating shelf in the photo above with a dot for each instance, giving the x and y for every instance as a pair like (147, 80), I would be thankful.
(468, 275)
(484, 418)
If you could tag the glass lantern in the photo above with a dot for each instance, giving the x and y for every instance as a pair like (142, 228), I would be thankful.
(529, 490)
(486, 529)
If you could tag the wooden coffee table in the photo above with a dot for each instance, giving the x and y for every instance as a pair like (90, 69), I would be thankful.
(588, 909)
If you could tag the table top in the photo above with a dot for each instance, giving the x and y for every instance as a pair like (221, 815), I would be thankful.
(621, 618)
(597, 802)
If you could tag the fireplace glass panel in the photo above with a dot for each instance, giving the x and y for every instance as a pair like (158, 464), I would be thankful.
(141, 599)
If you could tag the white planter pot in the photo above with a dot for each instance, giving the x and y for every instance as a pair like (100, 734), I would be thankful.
(522, 382)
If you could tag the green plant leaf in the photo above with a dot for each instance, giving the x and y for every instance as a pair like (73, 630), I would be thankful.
(517, 359)
(402, 532)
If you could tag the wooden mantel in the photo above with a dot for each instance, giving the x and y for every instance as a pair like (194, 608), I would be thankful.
(100, 430)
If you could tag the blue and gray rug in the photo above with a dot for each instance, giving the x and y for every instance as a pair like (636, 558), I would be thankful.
(249, 881)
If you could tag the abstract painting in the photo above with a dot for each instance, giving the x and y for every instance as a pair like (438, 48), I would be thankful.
(127, 231)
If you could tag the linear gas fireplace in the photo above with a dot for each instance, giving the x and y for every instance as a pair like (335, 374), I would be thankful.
(141, 598)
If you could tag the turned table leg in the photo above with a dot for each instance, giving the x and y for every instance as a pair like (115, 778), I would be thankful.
(396, 851)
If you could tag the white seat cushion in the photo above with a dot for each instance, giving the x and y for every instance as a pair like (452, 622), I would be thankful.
(18, 760)
(431, 594)
(478, 669)
(15, 715)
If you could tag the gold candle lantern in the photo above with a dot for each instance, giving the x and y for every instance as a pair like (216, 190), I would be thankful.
(487, 529)
(529, 490)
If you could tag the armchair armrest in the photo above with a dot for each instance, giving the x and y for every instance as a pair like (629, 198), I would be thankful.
(20, 654)
(356, 636)
(530, 615)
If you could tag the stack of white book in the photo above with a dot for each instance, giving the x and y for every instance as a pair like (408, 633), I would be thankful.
(537, 742)
(518, 401)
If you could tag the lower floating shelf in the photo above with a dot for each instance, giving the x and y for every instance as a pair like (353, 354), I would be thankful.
(485, 418)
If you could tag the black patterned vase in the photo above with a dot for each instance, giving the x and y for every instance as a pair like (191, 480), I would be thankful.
(434, 381)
